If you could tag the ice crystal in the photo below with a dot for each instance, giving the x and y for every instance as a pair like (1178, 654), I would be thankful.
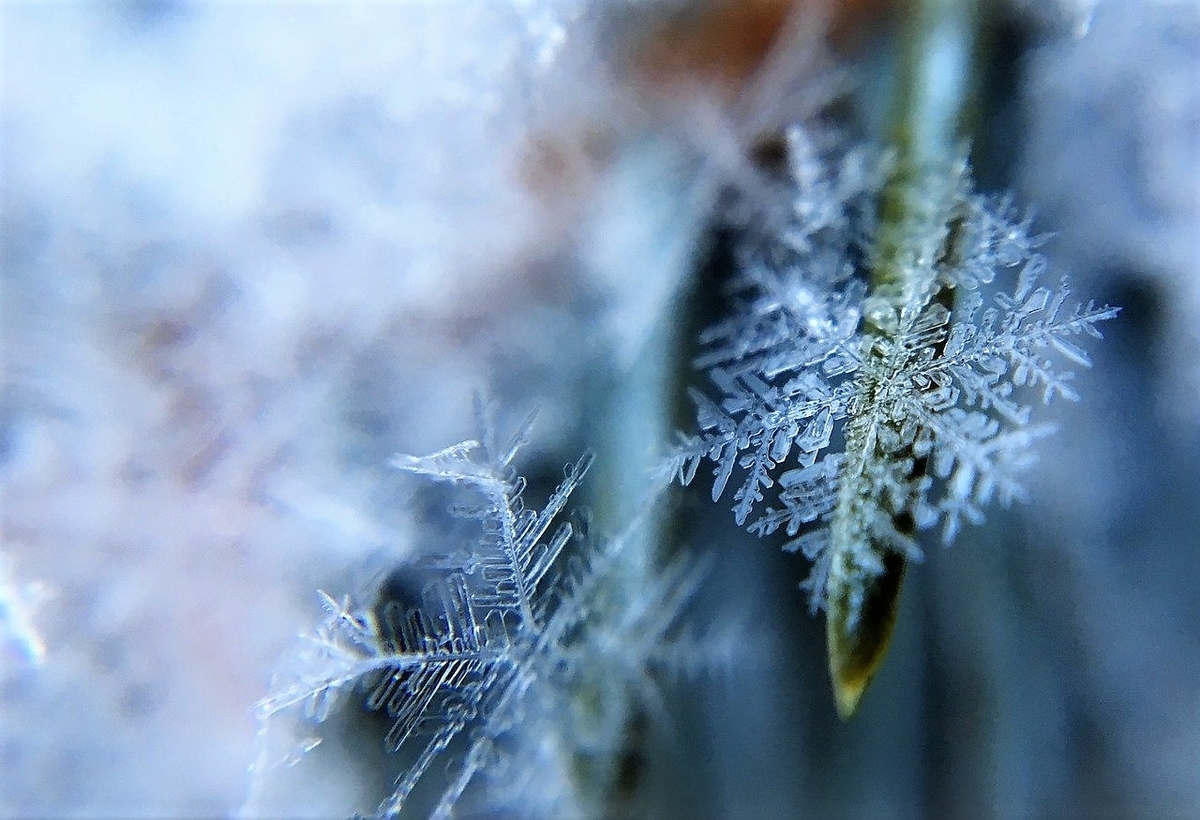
(19, 604)
(884, 412)
(518, 666)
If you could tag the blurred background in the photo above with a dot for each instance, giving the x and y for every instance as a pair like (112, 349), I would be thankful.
(252, 250)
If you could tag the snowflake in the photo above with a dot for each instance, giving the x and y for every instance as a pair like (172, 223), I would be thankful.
(879, 412)
(516, 665)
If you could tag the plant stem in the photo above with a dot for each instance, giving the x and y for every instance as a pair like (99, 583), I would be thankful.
(933, 69)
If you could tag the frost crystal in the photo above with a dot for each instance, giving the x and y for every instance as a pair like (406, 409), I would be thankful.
(517, 665)
(19, 603)
(881, 414)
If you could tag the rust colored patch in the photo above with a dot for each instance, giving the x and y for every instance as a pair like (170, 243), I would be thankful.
(721, 44)
(556, 167)
(713, 48)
